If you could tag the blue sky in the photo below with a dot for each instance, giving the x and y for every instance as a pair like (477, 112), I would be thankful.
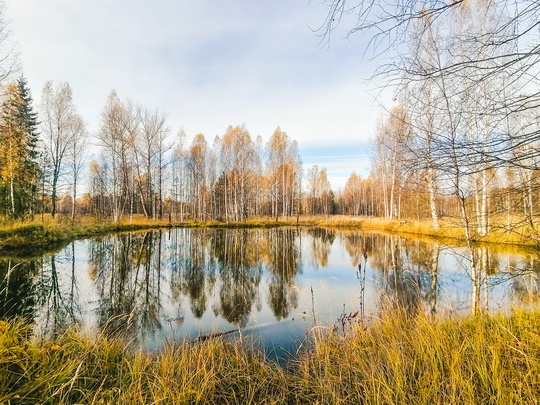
(208, 65)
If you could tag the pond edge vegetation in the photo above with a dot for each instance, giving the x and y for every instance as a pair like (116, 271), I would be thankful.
(399, 359)
(39, 236)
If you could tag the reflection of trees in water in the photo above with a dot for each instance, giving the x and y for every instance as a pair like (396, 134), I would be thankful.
(483, 264)
(201, 255)
(284, 263)
(151, 284)
(225, 268)
(237, 253)
(409, 270)
(57, 292)
(44, 288)
(195, 272)
(128, 271)
(57, 307)
(526, 285)
(385, 254)
(477, 260)
(433, 266)
(112, 265)
(17, 289)
(424, 260)
(177, 257)
(235, 256)
(321, 245)
(357, 246)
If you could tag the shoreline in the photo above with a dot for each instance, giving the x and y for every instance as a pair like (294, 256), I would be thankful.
(35, 237)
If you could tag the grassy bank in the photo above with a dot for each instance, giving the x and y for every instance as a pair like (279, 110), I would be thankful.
(398, 360)
(38, 236)
(451, 230)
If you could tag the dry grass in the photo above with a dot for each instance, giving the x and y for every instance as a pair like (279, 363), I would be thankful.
(75, 369)
(37, 236)
(513, 232)
(481, 360)
(398, 360)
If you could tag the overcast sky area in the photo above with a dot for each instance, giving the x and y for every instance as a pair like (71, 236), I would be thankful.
(208, 65)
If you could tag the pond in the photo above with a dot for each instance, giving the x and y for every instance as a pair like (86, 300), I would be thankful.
(160, 286)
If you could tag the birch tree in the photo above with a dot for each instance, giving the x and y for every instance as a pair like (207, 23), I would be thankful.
(354, 195)
(391, 152)
(284, 169)
(239, 164)
(60, 127)
(117, 134)
(9, 57)
(198, 166)
(150, 147)
(179, 175)
(77, 157)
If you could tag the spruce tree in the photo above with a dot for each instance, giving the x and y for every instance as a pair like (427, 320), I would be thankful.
(32, 171)
(19, 170)
(29, 118)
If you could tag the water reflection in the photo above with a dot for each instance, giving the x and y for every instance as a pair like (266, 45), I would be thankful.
(58, 303)
(17, 293)
(240, 272)
(321, 245)
(158, 285)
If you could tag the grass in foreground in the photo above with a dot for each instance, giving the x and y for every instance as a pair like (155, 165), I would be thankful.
(481, 360)
(398, 360)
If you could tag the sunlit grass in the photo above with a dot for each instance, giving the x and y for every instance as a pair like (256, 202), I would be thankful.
(421, 360)
(47, 233)
(513, 231)
(399, 359)
(77, 369)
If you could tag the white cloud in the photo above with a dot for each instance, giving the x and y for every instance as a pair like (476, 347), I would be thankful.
(206, 64)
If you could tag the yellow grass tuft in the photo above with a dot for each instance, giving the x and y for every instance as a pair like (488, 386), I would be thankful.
(399, 359)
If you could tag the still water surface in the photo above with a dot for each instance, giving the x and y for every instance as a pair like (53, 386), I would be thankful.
(163, 285)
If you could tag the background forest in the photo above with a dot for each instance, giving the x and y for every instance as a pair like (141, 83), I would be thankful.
(459, 145)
